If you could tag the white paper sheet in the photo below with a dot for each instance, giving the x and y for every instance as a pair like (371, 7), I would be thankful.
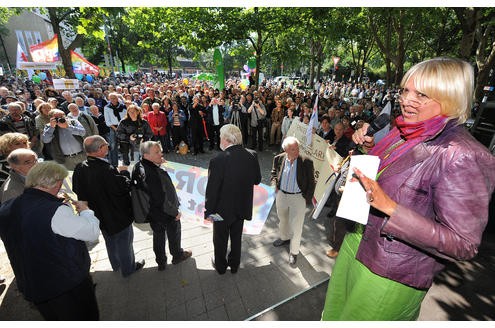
(353, 204)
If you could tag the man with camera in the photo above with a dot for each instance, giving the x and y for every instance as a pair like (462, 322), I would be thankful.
(258, 113)
(65, 137)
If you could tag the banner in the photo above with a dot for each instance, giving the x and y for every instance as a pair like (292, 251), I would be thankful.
(81, 65)
(45, 52)
(65, 84)
(38, 66)
(218, 60)
(190, 183)
(324, 158)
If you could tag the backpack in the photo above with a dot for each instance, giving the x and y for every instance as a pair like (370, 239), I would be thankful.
(139, 197)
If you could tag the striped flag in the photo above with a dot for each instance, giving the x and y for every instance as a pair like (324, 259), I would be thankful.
(313, 123)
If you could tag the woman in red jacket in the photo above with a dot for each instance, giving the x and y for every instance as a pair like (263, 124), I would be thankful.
(158, 122)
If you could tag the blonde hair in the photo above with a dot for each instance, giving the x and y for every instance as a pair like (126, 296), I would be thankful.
(449, 81)
(9, 140)
(46, 175)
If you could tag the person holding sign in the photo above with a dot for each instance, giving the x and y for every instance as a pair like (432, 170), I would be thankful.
(429, 201)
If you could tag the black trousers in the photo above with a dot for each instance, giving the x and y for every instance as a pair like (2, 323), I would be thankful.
(221, 233)
(125, 147)
(78, 303)
(197, 134)
(257, 135)
(244, 128)
(178, 135)
(214, 134)
(161, 230)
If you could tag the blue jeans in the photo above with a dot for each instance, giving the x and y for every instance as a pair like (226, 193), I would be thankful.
(120, 251)
(113, 153)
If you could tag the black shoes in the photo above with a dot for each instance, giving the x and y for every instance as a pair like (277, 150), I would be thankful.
(215, 267)
(184, 256)
(292, 259)
(162, 267)
(139, 265)
(280, 242)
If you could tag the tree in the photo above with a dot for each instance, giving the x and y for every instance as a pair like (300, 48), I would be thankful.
(5, 14)
(478, 38)
(62, 19)
(394, 30)
(158, 31)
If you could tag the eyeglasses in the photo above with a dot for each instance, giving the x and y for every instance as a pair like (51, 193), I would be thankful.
(416, 99)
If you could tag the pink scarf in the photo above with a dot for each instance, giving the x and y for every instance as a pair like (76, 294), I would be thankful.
(404, 137)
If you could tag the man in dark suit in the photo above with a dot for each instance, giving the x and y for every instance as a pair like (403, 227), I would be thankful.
(294, 181)
(107, 192)
(229, 193)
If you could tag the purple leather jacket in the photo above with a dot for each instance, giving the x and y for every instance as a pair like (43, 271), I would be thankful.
(442, 187)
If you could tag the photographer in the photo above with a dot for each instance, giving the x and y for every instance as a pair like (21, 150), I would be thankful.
(131, 131)
(258, 113)
(65, 139)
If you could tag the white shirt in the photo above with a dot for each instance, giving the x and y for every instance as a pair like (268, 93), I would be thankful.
(216, 120)
(85, 227)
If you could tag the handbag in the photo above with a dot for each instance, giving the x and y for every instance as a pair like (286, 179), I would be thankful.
(140, 199)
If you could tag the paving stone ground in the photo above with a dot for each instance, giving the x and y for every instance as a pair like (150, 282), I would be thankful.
(192, 290)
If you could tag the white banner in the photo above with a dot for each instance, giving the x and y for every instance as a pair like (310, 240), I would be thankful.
(39, 66)
(65, 84)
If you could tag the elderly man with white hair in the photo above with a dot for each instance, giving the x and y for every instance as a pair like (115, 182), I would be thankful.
(45, 243)
(232, 175)
(294, 181)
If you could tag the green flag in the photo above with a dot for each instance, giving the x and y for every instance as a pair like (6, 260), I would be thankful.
(217, 59)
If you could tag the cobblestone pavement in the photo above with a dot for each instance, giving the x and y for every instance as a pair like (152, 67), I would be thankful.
(192, 290)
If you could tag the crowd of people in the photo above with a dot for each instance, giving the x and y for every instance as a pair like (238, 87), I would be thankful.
(97, 130)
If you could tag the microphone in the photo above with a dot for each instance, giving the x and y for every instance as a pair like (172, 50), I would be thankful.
(378, 123)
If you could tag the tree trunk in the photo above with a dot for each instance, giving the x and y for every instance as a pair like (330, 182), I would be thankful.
(389, 71)
(468, 18)
(122, 62)
(312, 66)
(64, 53)
(169, 62)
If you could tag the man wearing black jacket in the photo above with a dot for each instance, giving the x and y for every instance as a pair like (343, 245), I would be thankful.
(229, 193)
(107, 192)
(164, 214)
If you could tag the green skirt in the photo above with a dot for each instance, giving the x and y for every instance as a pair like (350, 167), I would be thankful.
(356, 293)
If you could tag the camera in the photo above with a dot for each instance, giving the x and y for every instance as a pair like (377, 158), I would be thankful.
(61, 120)
(256, 100)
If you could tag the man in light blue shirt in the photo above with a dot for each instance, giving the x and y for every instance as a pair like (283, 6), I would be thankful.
(65, 139)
